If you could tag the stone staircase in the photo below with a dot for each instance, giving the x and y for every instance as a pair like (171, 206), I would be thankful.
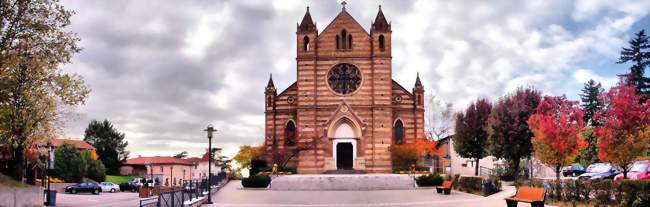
(343, 182)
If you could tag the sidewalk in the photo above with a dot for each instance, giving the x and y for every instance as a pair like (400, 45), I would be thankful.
(233, 195)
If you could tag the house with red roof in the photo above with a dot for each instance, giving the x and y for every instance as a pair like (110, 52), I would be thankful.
(166, 169)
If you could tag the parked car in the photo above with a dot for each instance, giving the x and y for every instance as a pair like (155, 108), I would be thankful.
(573, 170)
(109, 187)
(640, 170)
(90, 187)
(129, 186)
(600, 171)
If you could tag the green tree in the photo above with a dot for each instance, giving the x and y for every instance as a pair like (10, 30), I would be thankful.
(638, 53)
(591, 105)
(510, 137)
(181, 155)
(96, 170)
(590, 102)
(34, 43)
(110, 144)
(471, 135)
(69, 164)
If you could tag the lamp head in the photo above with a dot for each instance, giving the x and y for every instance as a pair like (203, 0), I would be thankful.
(210, 131)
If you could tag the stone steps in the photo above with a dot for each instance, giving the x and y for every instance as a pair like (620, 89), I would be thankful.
(343, 182)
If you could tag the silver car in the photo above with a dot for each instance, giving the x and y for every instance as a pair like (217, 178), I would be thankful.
(109, 187)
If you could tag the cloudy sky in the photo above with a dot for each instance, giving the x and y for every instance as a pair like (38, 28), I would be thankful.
(162, 70)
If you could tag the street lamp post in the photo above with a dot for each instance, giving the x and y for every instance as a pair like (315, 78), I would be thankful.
(47, 170)
(210, 131)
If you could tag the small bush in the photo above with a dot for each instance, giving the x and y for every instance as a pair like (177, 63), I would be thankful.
(470, 184)
(429, 180)
(398, 169)
(259, 181)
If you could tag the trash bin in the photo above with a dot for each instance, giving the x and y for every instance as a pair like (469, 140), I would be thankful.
(50, 198)
(488, 188)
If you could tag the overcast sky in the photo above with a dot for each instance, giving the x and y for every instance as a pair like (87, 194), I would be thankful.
(162, 70)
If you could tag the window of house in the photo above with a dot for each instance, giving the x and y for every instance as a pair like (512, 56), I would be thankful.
(398, 132)
(343, 39)
(290, 134)
(349, 41)
(337, 42)
(305, 44)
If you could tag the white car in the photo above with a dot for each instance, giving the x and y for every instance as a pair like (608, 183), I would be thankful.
(109, 187)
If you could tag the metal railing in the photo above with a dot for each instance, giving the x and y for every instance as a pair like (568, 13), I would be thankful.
(189, 190)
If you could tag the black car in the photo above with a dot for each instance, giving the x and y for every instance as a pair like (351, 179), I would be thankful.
(89, 187)
(600, 171)
(129, 186)
(573, 170)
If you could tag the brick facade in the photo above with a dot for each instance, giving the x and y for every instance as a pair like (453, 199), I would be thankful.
(368, 115)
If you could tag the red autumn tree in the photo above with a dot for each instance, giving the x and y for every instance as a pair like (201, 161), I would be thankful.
(557, 127)
(625, 129)
(409, 153)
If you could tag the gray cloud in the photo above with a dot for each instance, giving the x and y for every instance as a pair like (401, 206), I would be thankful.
(162, 70)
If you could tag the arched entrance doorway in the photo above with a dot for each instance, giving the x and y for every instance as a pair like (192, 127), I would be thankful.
(344, 144)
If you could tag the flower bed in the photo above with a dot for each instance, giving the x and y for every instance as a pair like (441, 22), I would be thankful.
(602, 192)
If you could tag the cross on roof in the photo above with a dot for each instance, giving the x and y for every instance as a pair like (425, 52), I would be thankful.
(343, 3)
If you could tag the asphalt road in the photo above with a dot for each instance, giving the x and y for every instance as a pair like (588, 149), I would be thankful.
(103, 199)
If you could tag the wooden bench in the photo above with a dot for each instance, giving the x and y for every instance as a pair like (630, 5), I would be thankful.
(446, 187)
(534, 196)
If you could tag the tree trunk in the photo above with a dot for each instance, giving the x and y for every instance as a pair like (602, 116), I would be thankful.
(515, 165)
(557, 173)
(476, 168)
(624, 173)
(18, 163)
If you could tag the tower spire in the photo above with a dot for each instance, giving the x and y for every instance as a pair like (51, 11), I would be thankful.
(270, 85)
(418, 83)
(380, 23)
(307, 24)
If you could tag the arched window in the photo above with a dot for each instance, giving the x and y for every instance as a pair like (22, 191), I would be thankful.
(337, 42)
(305, 43)
(290, 134)
(381, 42)
(398, 132)
(343, 37)
(349, 41)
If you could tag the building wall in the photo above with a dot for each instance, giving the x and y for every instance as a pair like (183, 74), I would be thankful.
(315, 108)
(169, 173)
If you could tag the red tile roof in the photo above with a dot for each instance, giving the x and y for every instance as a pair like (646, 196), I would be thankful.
(157, 160)
(79, 144)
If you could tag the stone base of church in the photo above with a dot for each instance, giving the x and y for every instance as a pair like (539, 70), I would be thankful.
(343, 182)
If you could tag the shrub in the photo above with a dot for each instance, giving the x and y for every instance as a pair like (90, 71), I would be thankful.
(259, 181)
(96, 171)
(398, 169)
(496, 183)
(603, 192)
(429, 180)
(257, 166)
(470, 184)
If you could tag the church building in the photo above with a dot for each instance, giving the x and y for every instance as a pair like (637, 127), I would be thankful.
(344, 111)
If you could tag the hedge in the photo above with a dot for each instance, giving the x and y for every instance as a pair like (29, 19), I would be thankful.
(429, 180)
(603, 192)
(470, 184)
(259, 181)
(475, 184)
(397, 169)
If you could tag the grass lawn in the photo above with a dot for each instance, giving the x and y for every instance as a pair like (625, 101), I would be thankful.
(119, 179)
(8, 182)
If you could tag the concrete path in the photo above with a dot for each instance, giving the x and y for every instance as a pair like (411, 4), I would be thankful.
(233, 195)
(330, 182)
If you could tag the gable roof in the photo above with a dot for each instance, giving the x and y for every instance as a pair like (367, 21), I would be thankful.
(79, 144)
(291, 87)
(342, 14)
(157, 160)
(395, 83)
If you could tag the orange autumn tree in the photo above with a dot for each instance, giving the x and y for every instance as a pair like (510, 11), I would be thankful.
(625, 129)
(408, 154)
(556, 128)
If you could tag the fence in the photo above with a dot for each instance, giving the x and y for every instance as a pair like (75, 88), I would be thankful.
(189, 190)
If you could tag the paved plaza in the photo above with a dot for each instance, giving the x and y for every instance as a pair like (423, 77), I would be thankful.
(233, 195)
